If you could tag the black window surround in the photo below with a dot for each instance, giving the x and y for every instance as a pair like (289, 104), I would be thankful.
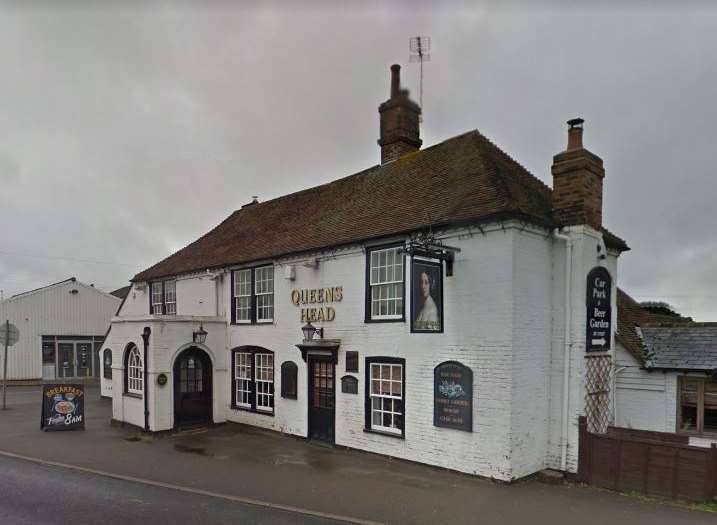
(157, 308)
(352, 361)
(251, 381)
(369, 318)
(289, 380)
(367, 394)
(126, 382)
(252, 303)
(107, 363)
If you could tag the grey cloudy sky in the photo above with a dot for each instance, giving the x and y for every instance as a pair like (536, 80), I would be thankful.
(129, 130)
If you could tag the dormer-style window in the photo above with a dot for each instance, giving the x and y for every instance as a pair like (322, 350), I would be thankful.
(385, 277)
(253, 295)
(163, 298)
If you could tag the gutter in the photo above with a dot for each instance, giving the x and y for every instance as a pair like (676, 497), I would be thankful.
(567, 346)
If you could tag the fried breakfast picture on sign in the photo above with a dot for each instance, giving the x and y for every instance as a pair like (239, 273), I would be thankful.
(63, 407)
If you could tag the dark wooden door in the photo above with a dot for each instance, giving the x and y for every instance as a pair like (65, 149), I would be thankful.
(192, 388)
(321, 399)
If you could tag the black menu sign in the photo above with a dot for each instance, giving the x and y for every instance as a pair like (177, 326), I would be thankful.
(453, 396)
(63, 407)
(599, 310)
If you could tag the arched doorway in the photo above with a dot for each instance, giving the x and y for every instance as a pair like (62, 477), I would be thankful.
(192, 388)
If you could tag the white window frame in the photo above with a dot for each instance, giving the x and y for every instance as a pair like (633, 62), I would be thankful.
(386, 392)
(163, 298)
(254, 381)
(170, 297)
(264, 381)
(157, 295)
(388, 288)
(135, 371)
(242, 379)
(244, 294)
(264, 292)
(260, 294)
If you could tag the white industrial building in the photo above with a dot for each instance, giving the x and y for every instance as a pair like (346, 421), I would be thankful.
(450, 285)
(61, 330)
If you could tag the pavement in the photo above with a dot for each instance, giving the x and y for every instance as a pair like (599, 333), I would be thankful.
(283, 472)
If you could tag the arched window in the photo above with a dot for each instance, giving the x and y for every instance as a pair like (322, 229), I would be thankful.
(107, 363)
(288, 379)
(134, 371)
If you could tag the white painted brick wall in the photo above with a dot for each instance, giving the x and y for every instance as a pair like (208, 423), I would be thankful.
(477, 333)
(532, 319)
(503, 319)
(585, 257)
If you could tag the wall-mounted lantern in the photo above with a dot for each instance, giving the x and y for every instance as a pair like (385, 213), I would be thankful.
(309, 330)
(200, 335)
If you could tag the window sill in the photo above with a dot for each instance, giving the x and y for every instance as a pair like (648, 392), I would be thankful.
(397, 320)
(384, 433)
(253, 411)
(132, 395)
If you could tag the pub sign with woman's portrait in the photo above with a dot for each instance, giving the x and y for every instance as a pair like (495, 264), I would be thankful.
(426, 296)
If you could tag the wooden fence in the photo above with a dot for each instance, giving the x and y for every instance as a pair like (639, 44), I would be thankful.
(653, 463)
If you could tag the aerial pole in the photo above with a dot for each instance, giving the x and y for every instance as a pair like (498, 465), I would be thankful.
(419, 47)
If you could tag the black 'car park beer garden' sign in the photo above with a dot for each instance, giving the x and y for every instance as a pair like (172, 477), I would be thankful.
(599, 310)
(63, 407)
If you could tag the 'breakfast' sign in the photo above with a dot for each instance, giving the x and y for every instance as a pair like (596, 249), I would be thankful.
(63, 407)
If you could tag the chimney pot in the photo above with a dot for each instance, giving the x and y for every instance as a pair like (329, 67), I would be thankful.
(575, 133)
(395, 80)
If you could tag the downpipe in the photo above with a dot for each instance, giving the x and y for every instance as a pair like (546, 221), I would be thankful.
(145, 336)
(567, 347)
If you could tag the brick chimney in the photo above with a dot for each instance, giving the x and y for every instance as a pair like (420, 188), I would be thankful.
(399, 121)
(577, 182)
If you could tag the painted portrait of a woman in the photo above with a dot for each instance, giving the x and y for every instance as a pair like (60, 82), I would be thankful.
(427, 295)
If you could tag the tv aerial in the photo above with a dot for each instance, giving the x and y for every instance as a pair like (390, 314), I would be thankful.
(420, 47)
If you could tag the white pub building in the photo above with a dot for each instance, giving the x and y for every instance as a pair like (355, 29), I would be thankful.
(431, 308)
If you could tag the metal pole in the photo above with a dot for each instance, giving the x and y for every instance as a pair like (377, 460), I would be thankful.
(4, 365)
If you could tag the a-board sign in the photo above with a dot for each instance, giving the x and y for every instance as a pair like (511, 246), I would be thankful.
(453, 396)
(63, 407)
(599, 310)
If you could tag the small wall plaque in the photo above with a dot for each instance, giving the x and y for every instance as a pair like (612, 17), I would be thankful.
(349, 385)
(162, 379)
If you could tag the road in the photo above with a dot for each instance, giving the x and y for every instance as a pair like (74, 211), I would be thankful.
(44, 495)
(248, 463)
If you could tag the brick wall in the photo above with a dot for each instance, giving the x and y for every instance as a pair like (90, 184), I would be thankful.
(577, 188)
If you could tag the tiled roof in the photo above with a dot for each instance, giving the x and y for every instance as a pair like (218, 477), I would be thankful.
(687, 347)
(464, 180)
(121, 292)
(631, 318)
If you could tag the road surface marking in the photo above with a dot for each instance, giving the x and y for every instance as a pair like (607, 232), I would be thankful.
(237, 499)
